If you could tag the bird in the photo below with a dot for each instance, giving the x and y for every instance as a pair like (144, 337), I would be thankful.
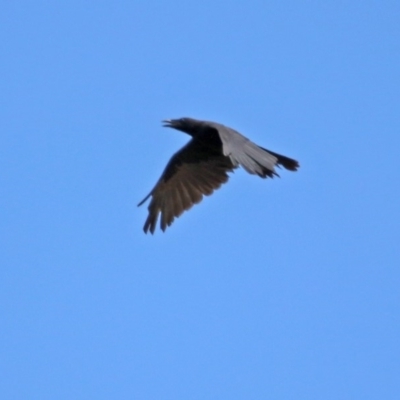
(202, 166)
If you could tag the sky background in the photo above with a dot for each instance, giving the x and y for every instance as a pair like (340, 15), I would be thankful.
(270, 289)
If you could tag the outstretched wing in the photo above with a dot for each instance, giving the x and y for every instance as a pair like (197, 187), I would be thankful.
(195, 170)
(253, 158)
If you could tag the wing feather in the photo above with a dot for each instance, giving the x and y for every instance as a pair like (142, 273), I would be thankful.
(195, 170)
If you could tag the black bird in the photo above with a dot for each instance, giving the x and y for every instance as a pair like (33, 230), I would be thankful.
(202, 166)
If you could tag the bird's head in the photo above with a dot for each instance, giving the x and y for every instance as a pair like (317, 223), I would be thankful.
(187, 125)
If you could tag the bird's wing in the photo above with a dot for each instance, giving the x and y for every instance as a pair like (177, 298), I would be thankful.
(253, 158)
(192, 172)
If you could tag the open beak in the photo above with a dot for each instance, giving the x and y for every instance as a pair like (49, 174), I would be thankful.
(167, 123)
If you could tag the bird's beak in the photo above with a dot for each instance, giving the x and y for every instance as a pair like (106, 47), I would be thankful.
(167, 123)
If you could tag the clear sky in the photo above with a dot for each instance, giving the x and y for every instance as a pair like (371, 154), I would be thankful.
(270, 289)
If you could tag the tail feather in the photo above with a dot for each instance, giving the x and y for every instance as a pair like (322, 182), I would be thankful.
(262, 162)
(255, 160)
(286, 162)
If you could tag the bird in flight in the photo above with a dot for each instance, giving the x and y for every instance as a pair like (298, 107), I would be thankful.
(202, 166)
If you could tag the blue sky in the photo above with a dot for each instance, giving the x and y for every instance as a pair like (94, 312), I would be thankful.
(269, 289)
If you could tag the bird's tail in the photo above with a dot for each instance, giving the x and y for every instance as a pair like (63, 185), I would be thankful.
(257, 160)
(286, 162)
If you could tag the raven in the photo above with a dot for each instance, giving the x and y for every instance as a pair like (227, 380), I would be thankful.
(202, 166)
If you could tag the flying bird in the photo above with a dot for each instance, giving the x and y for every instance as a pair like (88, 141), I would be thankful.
(202, 166)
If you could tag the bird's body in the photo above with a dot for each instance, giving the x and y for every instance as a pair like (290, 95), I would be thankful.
(202, 166)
